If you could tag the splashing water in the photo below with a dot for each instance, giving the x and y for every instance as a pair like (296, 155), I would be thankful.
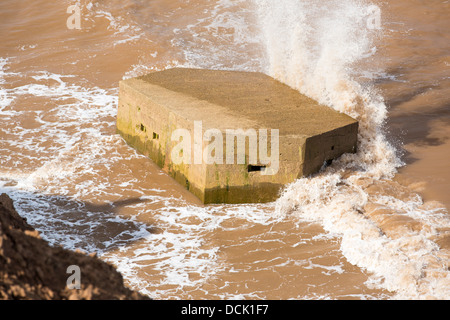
(316, 49)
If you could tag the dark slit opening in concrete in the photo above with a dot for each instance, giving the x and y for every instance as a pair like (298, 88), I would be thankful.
(252, 168)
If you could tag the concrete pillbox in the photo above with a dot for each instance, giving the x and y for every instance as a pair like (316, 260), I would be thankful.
(299, 134)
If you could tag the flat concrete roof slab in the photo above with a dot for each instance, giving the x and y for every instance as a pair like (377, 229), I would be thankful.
(152, 107)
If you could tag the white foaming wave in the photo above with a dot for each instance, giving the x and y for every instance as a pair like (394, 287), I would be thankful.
(5, 97)
(218, 35)
(73, 225)
(397, 264)
(3, 62)
(179, 251)
(312, 47)
(129, 32)
(221, 38)
(86, 98)
(48, 195)
(124, 31)
(90, 111)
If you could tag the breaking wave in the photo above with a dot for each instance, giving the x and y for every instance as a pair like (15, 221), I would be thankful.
(320, 50)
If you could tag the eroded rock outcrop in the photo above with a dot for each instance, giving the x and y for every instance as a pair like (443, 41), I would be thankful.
(31, 269)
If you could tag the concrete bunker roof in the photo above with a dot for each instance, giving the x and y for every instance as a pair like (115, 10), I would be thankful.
(264, 101)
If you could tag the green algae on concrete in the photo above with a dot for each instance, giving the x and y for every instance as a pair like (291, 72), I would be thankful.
(153, 106)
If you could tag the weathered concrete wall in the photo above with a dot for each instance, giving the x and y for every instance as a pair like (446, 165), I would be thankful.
(153, 106)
